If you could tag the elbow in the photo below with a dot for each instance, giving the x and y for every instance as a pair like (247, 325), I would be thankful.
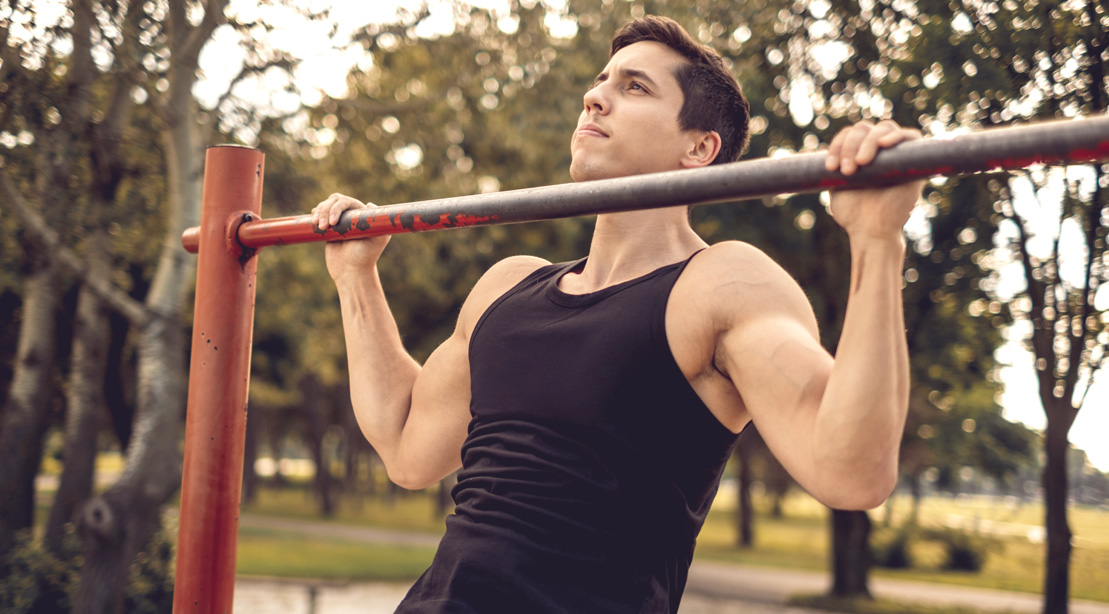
(865, 491)
(860, 501)
(407, 479)
(411, 476)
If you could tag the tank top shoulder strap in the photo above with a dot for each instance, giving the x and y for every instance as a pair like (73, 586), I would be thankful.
(532, 280)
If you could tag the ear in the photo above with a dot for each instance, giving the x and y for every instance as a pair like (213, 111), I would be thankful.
(703, 149)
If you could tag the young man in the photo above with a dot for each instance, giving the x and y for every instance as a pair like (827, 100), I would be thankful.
(592, 405)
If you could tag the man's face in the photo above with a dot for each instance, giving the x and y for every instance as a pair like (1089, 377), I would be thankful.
(629, 125)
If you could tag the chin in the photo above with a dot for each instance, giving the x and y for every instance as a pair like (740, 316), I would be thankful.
(585, 172)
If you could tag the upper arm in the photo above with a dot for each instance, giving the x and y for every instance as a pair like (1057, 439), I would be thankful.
(440, 413)
(767, 345)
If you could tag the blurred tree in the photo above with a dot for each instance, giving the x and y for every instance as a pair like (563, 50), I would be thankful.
(29, 117)
(994, 63)
(91, 85)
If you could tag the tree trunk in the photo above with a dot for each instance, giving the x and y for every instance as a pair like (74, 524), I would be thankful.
(850, 554)
(113, 529)
(1057, 564)
(746, 513)
(914, 485)
(27, 409)
(313, 405)
(117, 524)
(84, 398)
(444, 501)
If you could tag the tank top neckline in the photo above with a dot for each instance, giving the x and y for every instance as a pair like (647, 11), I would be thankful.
(566, 299)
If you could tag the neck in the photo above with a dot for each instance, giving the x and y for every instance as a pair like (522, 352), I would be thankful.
(627, 245)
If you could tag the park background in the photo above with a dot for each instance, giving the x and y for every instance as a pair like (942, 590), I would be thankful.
(104, 112)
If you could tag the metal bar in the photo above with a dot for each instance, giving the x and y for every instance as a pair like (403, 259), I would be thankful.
(1056, 142)
(215, 422)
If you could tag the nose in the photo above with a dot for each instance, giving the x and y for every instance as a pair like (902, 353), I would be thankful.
(596, 100)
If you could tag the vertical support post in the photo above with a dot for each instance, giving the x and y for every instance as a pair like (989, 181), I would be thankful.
(219, 377)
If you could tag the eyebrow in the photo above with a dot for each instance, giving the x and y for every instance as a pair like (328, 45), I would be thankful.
(628, 73)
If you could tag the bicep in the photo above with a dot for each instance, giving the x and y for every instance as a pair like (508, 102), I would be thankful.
(439, 417)
(780, 371)
(440, 412)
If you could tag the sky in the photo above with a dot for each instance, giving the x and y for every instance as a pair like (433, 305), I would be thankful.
(324, 70)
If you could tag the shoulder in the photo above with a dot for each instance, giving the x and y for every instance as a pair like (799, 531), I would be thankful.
(735, 282)
(500, 278)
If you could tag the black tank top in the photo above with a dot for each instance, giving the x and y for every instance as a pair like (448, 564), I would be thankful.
(590, 463)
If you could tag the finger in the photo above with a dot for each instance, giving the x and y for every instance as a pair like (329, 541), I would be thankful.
(851, 144)
(869, 146)
(345, 203)
(901, 136)
(320, 213)
(831, 161)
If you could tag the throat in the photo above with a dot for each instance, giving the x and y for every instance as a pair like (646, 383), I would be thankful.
(626, 246)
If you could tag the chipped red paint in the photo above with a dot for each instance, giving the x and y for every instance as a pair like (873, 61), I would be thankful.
(474, 220)
(1095, 154)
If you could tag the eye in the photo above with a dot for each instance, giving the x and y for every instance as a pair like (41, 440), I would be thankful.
(635, 85)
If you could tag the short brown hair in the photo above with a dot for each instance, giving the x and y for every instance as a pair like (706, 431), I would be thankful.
(713, 101)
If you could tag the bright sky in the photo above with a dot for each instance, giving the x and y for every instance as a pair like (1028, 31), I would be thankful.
(324, 69)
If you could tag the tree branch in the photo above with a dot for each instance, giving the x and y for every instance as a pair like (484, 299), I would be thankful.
(1043, 336)
(80, 75)
(246, 71)
(131, 309)
(214, 16)
(120, 101)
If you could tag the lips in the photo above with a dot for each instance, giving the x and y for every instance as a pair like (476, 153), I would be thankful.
(591, 130)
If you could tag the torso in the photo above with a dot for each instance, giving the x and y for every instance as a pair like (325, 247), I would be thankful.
(723, 277)
(589, 456)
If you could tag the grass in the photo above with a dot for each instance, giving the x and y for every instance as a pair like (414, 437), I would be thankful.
(406, 511)
(800, 540)
(288, 555)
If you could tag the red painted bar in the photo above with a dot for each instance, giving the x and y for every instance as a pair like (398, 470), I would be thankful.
(1057, 142)
(215, 422)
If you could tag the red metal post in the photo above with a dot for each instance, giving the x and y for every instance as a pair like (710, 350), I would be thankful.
(215, 423)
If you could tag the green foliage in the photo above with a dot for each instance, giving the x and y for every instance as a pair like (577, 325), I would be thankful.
(964, 551)
(890, 548)
(38, 581)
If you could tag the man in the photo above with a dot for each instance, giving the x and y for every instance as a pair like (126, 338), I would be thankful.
(592, 405)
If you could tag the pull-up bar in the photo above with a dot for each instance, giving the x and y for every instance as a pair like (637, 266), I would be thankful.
(231, 231)
(1057, 142)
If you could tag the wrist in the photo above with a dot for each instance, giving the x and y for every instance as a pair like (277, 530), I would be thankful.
(881, 241)
(357, 282)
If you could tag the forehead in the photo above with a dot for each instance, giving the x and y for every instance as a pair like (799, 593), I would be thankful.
(658, 61)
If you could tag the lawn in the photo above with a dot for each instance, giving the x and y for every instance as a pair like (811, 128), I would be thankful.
(800, 540)
(288, 555)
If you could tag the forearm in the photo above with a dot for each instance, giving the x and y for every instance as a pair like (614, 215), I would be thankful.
(382, 373)
(862, 413)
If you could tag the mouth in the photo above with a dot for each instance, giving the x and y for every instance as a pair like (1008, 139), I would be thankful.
(591, 130)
